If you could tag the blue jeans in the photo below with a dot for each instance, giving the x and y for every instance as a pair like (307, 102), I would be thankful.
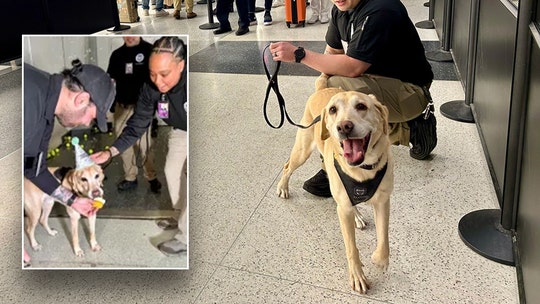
(146, 4)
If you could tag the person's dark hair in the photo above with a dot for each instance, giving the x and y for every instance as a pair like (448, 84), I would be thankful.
(172, 45)
(70, 81)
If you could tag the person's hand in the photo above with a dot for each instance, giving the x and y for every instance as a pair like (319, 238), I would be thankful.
(84, 206)
(101, 156)
(283, 51)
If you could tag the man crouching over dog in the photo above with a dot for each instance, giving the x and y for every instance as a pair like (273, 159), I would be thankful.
(76, 97)
(374, 48)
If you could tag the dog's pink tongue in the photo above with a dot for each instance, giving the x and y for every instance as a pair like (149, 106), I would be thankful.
(353, 150)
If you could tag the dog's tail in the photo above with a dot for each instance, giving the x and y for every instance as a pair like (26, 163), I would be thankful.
(321, 82)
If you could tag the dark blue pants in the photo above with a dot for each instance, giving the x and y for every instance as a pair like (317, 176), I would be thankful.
(222, 13)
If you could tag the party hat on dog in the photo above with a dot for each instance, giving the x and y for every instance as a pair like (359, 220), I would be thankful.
(82, 160)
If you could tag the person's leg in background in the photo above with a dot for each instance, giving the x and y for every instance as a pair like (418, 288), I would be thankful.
(189, 9)
(222, 14)
(160, 12)
(325, 6)
(146, 7)
(242, 6)
(176, 174)
(120, 117)
(267, 8)
(147, 155)
(316, 11)
(251, 12)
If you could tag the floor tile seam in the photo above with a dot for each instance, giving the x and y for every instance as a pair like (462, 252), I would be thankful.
(9, 154)
(281, 279)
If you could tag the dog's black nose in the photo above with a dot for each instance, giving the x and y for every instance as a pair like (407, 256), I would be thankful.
(96, 193)
(345, 127)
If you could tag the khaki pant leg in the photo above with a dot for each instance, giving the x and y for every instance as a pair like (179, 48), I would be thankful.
(121, 115)
(404, 101)
(176, 174)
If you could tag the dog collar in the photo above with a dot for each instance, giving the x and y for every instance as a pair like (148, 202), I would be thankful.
(360, 192)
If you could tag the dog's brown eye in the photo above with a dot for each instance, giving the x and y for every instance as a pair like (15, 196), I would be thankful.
(332, 110)
(97, 176)
(84, 179)
(361, 107)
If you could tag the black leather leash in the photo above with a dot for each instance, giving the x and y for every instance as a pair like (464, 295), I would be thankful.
(273, 85)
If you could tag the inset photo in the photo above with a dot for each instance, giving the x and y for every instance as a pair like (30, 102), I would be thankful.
(105, 150)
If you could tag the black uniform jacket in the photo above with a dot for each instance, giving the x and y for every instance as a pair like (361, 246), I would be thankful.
(41, 92)
(145, 108)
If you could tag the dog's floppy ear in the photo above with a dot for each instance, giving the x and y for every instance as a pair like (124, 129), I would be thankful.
(324, 131)
(383, 111)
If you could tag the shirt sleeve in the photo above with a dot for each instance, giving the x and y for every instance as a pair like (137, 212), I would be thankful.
(333, 37)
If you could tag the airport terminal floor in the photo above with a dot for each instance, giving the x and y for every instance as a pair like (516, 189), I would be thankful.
(246, 244)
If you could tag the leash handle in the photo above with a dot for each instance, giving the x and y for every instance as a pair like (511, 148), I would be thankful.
(273, 85)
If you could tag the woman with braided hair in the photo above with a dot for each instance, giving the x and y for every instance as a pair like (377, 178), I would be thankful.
(166, 93)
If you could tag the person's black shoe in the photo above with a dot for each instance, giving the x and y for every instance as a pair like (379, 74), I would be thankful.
(172, 247)
(318, 185)
(242, 30)
(423, 136)
(222, 31)
(126, 185)
(155, 185)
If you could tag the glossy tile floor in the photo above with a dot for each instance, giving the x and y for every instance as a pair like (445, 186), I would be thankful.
(249, 246)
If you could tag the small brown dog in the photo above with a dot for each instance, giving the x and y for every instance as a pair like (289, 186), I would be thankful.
(85, 182)
(353, 133)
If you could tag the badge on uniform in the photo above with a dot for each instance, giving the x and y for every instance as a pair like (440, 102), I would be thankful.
(129, 68)
(163, 107)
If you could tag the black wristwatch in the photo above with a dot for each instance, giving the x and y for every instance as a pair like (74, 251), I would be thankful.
(299, 54)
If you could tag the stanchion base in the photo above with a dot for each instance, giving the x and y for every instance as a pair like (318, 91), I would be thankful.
(439, 56)
(426, 24)
(482, 232)
(457, 110)
(119, 27)
(209, 26)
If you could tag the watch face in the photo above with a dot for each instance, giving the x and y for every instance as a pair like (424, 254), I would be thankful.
(299, 54)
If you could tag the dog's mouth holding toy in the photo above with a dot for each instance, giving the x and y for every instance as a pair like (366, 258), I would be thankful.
(354, 149)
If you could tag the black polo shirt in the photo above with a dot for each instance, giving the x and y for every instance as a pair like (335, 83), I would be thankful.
(381, 33)
(41, 92)
(128, 66)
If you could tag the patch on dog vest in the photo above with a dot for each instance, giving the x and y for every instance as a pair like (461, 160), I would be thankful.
(360, 192)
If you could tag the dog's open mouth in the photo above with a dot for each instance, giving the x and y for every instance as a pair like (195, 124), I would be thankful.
(354, 149)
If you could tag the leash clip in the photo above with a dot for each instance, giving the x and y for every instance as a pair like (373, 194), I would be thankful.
(430, 108)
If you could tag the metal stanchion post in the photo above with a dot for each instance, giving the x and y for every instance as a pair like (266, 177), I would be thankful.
(211, 24)
(489, 232)
(460, 110)
(443, 54)
(116, 17)
(427, 24)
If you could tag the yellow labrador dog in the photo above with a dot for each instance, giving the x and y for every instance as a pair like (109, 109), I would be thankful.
(353, 138)
(85, 182)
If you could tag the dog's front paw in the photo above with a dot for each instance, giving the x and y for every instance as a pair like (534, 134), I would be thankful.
(359, 221)
(79, 252)
(37, 247)
(96, 247)
(282, 190)
(380, 259)
(52, 232)
(358, 280)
